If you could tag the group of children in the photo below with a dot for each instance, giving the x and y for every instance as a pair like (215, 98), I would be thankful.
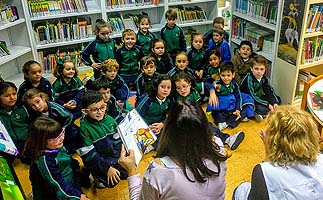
(161, 71)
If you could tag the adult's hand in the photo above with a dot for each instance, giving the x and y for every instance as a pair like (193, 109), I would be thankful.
(127, 161)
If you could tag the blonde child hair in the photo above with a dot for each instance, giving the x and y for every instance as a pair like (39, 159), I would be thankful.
(128, 31)
(34, 92)
(109, 64)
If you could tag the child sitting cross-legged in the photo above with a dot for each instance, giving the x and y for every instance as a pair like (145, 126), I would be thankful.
(102, 143)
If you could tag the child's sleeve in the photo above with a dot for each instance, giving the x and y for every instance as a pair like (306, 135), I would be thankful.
(51, 173)
(64, 117)
(87, 52)
(80, 91)
(235, 63)
(115, 110)
(57, 92)
(182, 42)
(225, 52)
(269, 91)
(123, 91)
(142, 105)
(237, 95)
(140, 86)
(247, 87)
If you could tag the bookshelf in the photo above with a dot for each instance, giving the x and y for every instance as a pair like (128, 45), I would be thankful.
(37, 25)
(299, 54)
(258, 22)
(19, 47)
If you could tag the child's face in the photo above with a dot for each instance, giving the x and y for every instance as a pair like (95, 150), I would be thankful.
(164, 89)
(34, 73)
(198, 42)
(258, 70)
(8, 98)
(181, 62)
(217, 25)
(69, 70)
(149, 69)
(217, 37)
(214, 60)
(56, 143)
(183, 87)
(38, 103)
(105, 94)
(226, 76)
(111, 74)
(144, 25)
(129, 40)
(171, 22)
(245, 51)
(159, 48)
(96, 111)
(104, 33)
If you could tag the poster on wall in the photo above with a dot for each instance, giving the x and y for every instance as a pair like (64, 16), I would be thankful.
(290, 31)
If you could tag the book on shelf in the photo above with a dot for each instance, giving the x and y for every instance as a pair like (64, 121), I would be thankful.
(314, 18)
(4, 51)
(8, 183)
(136, 135)
(190, 14)
(6, 143)
(8, 14)
(313, 50)
(129, 3)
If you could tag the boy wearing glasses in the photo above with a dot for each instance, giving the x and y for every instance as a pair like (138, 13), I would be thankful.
(102, 143)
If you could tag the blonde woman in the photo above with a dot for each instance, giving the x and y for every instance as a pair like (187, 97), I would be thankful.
(293, 167)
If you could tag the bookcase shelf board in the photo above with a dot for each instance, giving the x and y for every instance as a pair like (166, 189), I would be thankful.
(125, 9)
(255, 21)
(65, 15)
(188, 2)
(313, 34)
(311, 64)
(65, 43)
(11, 24)
(15, 52)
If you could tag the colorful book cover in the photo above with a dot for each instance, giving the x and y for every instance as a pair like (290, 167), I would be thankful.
(316, 100)
(6, 143)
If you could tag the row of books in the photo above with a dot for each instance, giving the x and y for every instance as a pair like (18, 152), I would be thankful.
(259, 9)
(119, 22)
(303, 76)
(8, 14)
(313, 50)
(4, 51)
(190, 14)
(314, 19)
(129, 3)
(60, 31)
(49, 60)
(244, 30)
(38, 8)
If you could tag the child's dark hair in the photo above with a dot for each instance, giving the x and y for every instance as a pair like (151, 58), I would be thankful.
(34, 92)
(4, 86)
(91, 97)
(128, 31)
(26, 67)
(109, 65)
(187, 138)
(152, 90)
(183, 76)
(219, 31)
(146, 60)
(58, 70)
(246, 42)
(40, 130)
(226, 66)
(218, 20)
(100, 23)
(100, 83)
(171, 14)
(215, 52)
(166, 54)
(196, 34)
(141, 17)
(259, 59)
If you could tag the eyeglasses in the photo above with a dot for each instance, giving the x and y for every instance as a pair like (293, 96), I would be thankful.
(182, 88)
(98, 110)
(58, 138)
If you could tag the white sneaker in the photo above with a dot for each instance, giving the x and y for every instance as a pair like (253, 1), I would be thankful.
(222, 125)
(235, 140)
(258, 117)
(245, 119)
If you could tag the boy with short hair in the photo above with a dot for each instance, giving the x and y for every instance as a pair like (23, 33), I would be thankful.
(218, 22)
(102, 143)
(103, 87)
(148, 75)
(172, 34)
(118, 87)
(219, 44)
(128, 57)
(256, 84)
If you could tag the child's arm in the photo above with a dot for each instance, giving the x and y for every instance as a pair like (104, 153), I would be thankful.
(80, 91)
(114, 110)
(247, 87)
(269, 92)
(87, 52)
(63, 116)
(225, 52)
(140, 85)
(182, 42)
(123, 91)
(237, 95)
(51, 173)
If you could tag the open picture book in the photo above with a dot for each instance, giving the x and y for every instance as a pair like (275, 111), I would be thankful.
(6, 143)
(136, 135)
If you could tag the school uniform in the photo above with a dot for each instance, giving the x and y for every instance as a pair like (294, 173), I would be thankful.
(261, 91)
(187, 70)
(128, 61)
(174, 38)
(209, 72)
(209, 35)
(119, 88)
(163, 64)
(145, 41)
(222, 47)
(143, 83)
(241, 66)
(102, 147)
(114, 110)
(197, 59)
(100, 51)
(64, 92)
